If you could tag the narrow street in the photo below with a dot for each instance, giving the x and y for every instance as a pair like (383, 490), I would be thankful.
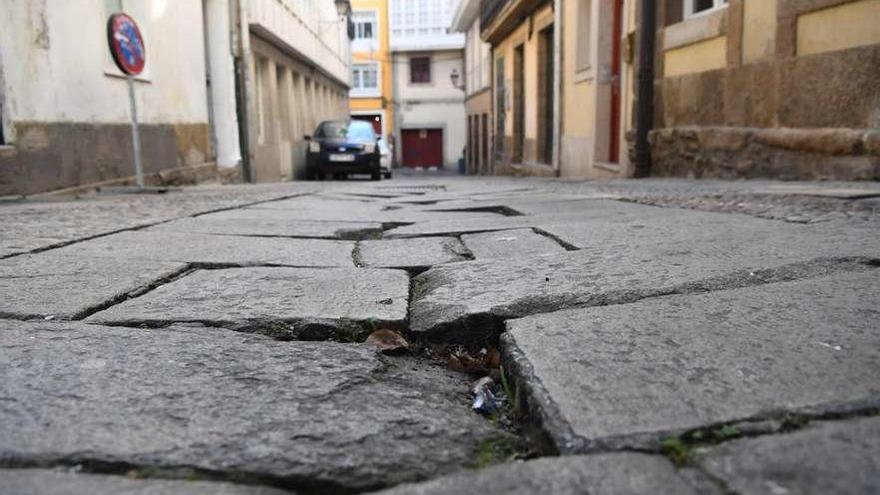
(684, 336)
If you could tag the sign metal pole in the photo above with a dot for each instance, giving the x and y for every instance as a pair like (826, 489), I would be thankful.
(135, 134)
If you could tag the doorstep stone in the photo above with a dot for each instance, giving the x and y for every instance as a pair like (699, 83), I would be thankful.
(303, 303)
(630, 375)
(321, 416)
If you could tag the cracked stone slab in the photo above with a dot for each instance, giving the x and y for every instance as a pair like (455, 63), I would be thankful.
(623, 474)
(214, 249)
(46, 285)
(467, 300)
(325, 417)
(58, 482)
(258, 226)
(630, 375)
(825, 457)
(411, 253)
(505, 244)
(314, 303)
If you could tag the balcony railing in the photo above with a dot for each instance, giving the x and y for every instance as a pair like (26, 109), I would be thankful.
(489, 9)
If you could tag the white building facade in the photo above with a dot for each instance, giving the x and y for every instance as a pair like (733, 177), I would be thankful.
(428, 83)
(64, 106)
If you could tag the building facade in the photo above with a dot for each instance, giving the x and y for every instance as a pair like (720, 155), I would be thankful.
(298, 56)
(428, 96)
(64, 106)
(734, 88)
(767, 88)
(372, 78)
(478, 88)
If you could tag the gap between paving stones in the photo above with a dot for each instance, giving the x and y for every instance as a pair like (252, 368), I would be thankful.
(485, 328)
(565, 245)
(785, 422)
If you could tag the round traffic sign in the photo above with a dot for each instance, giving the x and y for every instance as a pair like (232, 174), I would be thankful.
(126, 44)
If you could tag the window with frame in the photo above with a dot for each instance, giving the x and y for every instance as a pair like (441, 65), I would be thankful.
(697, 7)
(365, 25)
(365, 78)
(584, 16)
(420, 70)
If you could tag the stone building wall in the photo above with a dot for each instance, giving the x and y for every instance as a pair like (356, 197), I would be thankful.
(796, 95)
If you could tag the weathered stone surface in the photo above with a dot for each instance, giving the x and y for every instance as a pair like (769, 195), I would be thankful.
(633, 374)
(621, 263)
(537, 215)
(36, 224)
(623, 474)
(872, 142)
(325, 417)
(826, 457)
(214, 249)
(411, 253)
(46, 285)
(346, 211)
(57, 482)
(505, 244)
(312, 303)
(258, 226)
(729, 234)
(831, 141)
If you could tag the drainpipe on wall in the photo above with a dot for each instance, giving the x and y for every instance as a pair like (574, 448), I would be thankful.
(243, 90)
(557, 83)
(645, 109)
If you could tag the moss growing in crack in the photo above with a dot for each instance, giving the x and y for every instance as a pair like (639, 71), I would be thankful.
(496, 450)
(680, 449)
(352, 333)
(676, 450)
(278, 330)
(793, 422)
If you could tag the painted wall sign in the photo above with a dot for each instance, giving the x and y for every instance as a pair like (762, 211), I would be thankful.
(126, 44)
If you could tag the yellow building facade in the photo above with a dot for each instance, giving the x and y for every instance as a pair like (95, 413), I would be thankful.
(372, 85)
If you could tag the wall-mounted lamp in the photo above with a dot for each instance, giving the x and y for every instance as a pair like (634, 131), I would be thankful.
(454, 76)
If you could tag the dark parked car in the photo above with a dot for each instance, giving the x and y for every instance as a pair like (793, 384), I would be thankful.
(341, 148)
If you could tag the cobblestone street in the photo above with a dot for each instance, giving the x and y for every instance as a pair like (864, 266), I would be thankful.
(655, 336)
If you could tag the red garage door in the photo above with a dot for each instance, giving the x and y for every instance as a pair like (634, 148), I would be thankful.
(422, 147)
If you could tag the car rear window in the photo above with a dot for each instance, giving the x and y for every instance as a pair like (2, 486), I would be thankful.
(357, 131)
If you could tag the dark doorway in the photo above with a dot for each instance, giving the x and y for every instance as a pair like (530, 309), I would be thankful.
(519, 104)
(614, 145)
(484, 146)
(545, 95)
(422, 147)
(376, 120)
(500, 109)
